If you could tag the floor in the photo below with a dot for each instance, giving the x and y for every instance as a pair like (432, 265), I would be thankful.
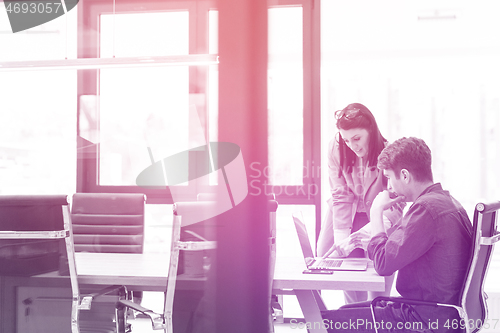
(291, 309)
(288, 244)
(333, 299)
(144, 326)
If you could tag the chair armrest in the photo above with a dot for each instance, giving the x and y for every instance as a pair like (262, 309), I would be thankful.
(403, 300)
(157, 320)
(373, 303)
(415, 302)
(87, 299)
(363, 304)
(490, 240)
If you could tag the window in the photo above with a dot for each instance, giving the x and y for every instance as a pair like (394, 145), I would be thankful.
(37, 110)
(293, 170)
(130, 118)
(286, 96)
(142, 108)
(128, 110)
(434, 77)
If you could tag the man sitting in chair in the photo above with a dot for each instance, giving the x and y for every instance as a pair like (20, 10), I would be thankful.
(430, 249)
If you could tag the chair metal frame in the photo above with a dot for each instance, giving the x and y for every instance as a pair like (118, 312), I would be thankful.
(186, 213)
(78, 301)
(472, 297)
(163, 321)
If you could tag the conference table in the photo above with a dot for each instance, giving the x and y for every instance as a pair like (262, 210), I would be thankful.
(148, 271)
(289, 280)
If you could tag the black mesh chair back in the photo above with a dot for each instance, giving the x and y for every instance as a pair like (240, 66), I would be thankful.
(472, 308)
(473, 298)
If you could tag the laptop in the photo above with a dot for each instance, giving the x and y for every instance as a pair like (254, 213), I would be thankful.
(315, 263)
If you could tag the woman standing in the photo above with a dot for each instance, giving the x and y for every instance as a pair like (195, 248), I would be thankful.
(354, 182)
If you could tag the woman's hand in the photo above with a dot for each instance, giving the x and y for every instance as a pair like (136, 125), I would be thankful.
(346, 246)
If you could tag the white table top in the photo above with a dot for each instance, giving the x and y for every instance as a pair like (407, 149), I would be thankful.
(148, 271)
(133, 270)
(288, 275)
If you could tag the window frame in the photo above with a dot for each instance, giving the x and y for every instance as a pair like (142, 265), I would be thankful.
(88, 84)
(311, 109)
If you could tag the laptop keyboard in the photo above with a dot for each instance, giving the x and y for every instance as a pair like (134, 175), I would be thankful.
(329, 263)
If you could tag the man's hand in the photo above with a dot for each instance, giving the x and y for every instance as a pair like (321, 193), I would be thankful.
(383, 201)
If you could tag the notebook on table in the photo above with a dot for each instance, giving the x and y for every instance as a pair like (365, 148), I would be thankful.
(313, 263)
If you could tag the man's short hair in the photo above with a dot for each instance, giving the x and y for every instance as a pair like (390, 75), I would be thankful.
(411, 154)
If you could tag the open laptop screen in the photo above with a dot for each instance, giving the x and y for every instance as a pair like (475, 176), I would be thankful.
(303, 236)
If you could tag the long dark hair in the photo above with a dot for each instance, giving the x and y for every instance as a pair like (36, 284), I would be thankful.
(357, 115)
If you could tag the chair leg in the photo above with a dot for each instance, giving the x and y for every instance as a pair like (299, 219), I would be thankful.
(121, 313)
(121, 319)
(277, 308)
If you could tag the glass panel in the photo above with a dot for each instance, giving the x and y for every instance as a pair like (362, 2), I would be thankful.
(158, 228)
(144, 34)
(285, 96)
(213, 82)
(52, 40)
(435, 77)
(37, 118)
(146, 107)
(287, 242)
(141, 108)
(37, 132)
(287, 245)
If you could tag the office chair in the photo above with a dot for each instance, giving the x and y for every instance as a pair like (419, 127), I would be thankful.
(37, 257)
(184, 213)
(108, 222)
(472, 309)
(187, 214)
(275, 303)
